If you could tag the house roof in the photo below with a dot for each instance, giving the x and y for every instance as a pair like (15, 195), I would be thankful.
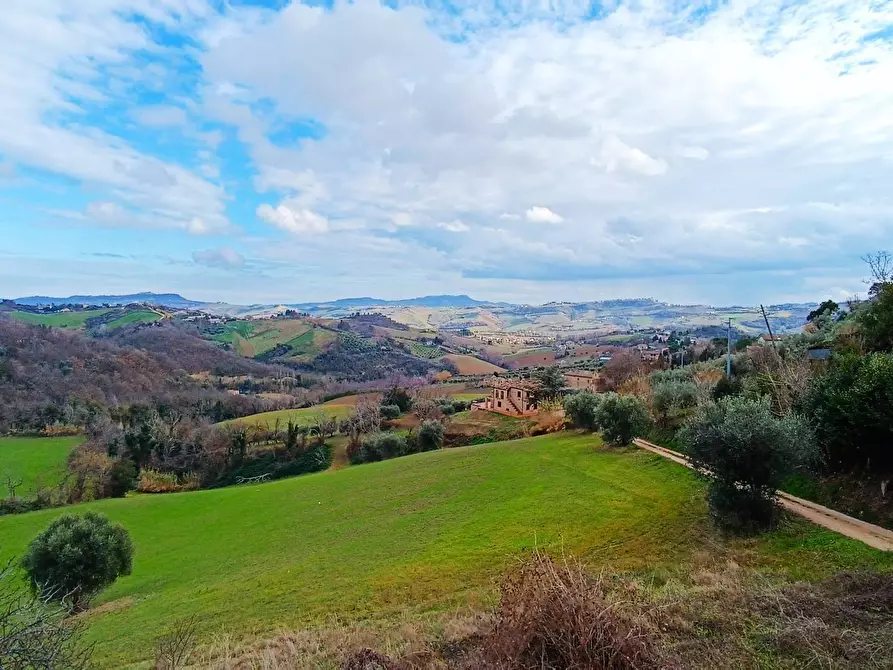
(523, 384)
(581, 373)
(819, 354)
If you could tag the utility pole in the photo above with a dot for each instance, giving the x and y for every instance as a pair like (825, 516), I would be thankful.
(729, 351)
(768, 327)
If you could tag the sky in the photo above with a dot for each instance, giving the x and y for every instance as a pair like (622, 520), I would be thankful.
(269, 151)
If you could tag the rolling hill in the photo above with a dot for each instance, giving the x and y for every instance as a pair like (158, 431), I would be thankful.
(400, 538)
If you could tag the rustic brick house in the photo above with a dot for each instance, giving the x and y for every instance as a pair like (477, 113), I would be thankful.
(515, 397)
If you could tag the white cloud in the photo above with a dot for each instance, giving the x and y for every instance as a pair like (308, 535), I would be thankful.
(615, 119)
(293, 220)
(538, 214)
(53, 56)
(223, 257)
(713, 139)
(160, 116)
(455, 226)
(695, 153)
(616, 155)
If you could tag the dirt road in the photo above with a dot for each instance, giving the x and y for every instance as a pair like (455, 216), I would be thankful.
(874, 536)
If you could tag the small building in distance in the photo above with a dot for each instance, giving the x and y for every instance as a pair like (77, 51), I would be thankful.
(514, 397)
(581, 380)
(654, 355)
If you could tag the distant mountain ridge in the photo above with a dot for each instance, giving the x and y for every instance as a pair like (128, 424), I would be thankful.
(457, 301)
(163, 299)
(343, 306)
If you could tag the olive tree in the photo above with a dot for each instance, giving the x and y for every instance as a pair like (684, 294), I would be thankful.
(746, 452)
(580, 408)
(430, 436)
(622, 418)
(76, 557)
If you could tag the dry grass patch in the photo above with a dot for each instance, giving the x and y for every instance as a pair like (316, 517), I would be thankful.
(554, 615)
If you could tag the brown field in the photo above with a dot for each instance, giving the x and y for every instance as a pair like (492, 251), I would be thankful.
(349, 400)
(531, 359)
(469, 365)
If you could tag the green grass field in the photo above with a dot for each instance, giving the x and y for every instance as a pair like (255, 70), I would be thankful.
(59, 319)
(254, 338)
(34, 460)
(304, 416)
(428, 532)
(132, 318)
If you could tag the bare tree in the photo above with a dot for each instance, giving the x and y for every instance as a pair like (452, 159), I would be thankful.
(366, 418)
(172, 650)
(323, 426)
(881, 265)
(34, 633)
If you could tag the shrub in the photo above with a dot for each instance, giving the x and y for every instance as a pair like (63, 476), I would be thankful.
(398, 396)
(121, 478)
(748, 452)
(430, 436)
(726, 387)
(581, 408)
(556, 616)
(153, 481)
(390, 412)
(670, 397)
(35, 634)
(76, 557)
(621, 418)
(851, 408)
(380, 447)
(876, 319)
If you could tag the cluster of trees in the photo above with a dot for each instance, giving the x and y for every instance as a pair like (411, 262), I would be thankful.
(784, 411)
(51, 377)
(345, 361)
(385, 445)
(621, 418)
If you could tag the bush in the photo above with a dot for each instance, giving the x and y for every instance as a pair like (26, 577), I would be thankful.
(76, 557)
(35, 635)
(851, 408)
(673, 396)
(390, 412)
(621, 418)
(556, 616)
(726, 387)
(121, 478)
(430, 436)
(398, 396)
(748, 452)
(380, 447)
(580, 409)
(153, 481)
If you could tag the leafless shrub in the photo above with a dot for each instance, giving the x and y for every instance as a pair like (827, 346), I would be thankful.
(173, 649)
(34, 632)
(556, 616)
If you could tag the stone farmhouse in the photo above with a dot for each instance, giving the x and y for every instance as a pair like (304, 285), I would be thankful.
(581, 380)
(514, 397)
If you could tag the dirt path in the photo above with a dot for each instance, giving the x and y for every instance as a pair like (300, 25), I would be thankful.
(873, 536)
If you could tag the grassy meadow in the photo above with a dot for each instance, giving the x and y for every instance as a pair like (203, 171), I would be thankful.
(133, 318)
(303, 417)
(424, 533)
(36, 461)
(255, 338)
(59, 319)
